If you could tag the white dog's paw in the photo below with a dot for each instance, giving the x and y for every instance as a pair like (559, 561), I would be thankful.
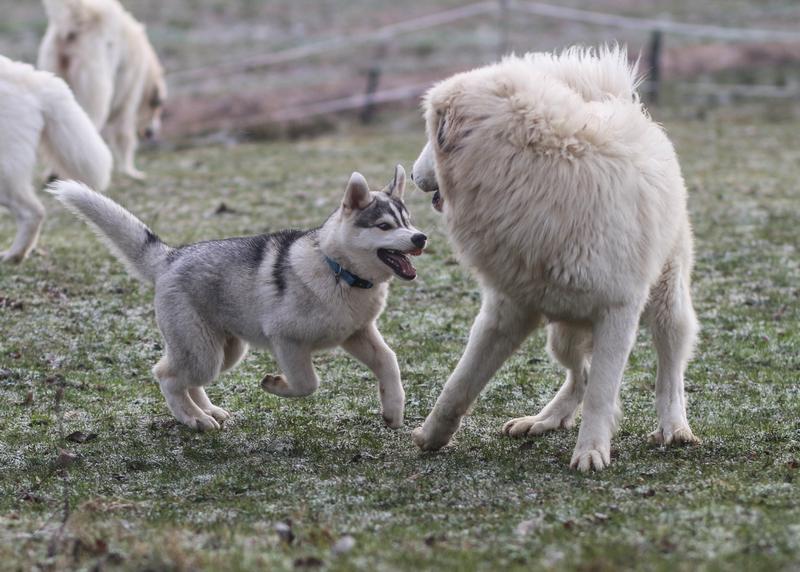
(217, 413)
(676, 434)
(537, 424)
(435, 433)
(393, 417)
(11, 258)
(275, 384)
(595, 457)
(425, 442)
(135, 174)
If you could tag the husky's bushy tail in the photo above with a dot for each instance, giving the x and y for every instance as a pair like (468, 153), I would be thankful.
(70, 139)
(142, 252)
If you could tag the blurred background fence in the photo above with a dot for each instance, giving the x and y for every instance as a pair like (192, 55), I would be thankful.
(271, 68)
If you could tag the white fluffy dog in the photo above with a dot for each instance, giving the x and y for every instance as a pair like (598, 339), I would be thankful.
(568, 203)
(37, 108)
(103, 53)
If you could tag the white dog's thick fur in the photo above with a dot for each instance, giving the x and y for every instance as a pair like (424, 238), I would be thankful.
(38, 109)
(568, 203)
(103, 53)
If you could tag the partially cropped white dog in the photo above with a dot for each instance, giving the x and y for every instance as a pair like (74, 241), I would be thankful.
(568, 203)
(103, 53)
(38, 109)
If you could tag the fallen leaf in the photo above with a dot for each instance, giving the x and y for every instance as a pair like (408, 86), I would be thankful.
(81, 437)
(65, 458)
(308, 562)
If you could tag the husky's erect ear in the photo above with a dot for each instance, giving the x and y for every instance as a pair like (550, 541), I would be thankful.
(398, 185)
(356, 195)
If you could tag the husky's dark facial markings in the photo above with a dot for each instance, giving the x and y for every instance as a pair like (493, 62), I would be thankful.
(381, 208)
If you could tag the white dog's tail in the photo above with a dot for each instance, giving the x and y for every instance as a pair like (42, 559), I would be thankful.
(70, 140)
(142, 252)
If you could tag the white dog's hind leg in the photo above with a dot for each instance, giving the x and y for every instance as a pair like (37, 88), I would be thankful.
(127, 142)
(18, 195)
(499, 329)
(572, 346)
(613, 337)
(299, 378)
(368, 347)
(674, 327)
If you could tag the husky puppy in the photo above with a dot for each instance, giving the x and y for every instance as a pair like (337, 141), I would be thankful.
(37, 108)
(294, 292)
(103, 53)
(568, 202)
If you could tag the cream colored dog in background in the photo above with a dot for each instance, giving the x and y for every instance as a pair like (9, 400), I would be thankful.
(103, 53)
(38, 109)
(568, 202)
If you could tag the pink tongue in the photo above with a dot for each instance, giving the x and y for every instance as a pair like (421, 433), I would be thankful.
(406, 266)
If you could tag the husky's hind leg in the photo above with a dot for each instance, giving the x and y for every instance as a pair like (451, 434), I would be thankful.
(194, 358)
(198, 395)
(233, 351)
(571, 346)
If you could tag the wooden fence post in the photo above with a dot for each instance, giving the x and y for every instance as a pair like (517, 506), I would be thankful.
(373, 79)
(654, 58)
(504, 24)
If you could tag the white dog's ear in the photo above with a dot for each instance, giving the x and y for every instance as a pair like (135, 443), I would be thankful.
(448, 127)
(356, 195)
(398, 185)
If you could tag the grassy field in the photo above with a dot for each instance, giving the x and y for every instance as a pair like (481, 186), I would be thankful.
(320, 482)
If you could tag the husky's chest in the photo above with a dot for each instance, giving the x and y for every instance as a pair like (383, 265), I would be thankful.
(323, 322)
(342, 318)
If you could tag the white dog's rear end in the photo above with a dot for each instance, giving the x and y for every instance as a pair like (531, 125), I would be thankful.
(38, 108)
(104, 55)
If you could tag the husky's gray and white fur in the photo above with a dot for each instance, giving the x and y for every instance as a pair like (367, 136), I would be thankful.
(276, 291)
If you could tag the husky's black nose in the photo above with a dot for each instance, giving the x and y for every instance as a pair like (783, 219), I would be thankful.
(419, 240)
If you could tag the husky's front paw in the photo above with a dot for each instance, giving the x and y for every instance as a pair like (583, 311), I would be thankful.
(591, 457)
(275, 384)
(537, 424)
(673, 434)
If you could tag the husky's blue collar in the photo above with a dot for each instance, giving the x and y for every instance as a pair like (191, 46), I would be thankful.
(349, 278)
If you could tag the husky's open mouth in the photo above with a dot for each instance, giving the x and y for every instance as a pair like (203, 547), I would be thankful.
(399, 262)
(437, 201)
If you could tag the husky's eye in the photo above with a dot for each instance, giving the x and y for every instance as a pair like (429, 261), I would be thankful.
(384, 226)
